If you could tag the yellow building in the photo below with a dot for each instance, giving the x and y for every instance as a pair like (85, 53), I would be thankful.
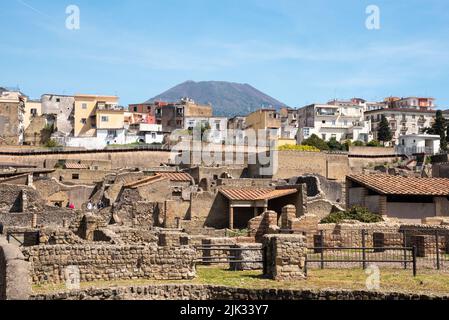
(264, 119)
(33, 109)
(86, 117)
(110, 119)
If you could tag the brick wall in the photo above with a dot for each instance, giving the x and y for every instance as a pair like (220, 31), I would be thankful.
(110, 262)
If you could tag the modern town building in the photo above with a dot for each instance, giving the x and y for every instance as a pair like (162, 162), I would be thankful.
(62, 109)
(402, 121)
(327, 121)
(418, 143)
(172, 115)
(12, 116)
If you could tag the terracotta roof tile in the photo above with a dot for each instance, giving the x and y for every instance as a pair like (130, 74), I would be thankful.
(177, 176)
(397, 185)
(253, 194)
(75, 165)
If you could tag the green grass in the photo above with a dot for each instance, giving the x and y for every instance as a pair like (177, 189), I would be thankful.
(427, 281)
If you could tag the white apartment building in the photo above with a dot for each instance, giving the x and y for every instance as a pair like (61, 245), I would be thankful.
(217, 126)
(403, 121)
(327, 121)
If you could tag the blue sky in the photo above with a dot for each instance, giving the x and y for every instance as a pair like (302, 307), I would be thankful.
(299, 52)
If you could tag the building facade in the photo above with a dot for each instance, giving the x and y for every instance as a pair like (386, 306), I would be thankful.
(61, 109)
(328, 121)
(402, 121)
(217, 127)
(12, 117)
(172, 115)
(86, 107)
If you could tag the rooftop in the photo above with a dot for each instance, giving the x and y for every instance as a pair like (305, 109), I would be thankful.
(254, 194)
(397, 185)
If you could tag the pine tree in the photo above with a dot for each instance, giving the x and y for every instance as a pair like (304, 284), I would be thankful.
(439, 128)
(384, 133)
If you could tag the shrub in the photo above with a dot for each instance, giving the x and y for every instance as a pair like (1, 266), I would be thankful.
(315, 141)
(355, 213)
(334, 145)
(298, 148)
(358, 143)
(51, 144)
(374, 143)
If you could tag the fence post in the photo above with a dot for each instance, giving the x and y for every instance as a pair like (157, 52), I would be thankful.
(404, 245)
(414, 260)
(322, 249)
(437, 245)
(364, 249)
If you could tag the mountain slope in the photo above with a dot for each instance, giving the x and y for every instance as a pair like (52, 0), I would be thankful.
(227, 98)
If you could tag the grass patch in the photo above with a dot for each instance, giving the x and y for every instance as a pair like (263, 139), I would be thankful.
(427, 281)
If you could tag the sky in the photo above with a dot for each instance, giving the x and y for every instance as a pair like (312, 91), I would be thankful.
(298, 51)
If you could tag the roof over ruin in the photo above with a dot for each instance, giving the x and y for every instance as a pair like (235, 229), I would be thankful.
(254, 194)
(397, 185)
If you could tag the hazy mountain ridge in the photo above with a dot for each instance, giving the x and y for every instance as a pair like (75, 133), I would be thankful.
(227, 98)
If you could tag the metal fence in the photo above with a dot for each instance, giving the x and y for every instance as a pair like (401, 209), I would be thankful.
(223, 254)
(406, 248)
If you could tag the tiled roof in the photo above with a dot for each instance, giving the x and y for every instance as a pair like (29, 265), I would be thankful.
(144, 182)
(397, 185)
(74, 165)
(176, 176)
(253, 194)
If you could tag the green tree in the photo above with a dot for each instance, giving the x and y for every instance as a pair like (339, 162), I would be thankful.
(439, 127)
(334, 145)
(316, 142)
(384, 132)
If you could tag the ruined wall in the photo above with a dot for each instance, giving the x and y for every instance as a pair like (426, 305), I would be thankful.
(11, 123)
(211, 292)
(15, 281)
(209, 209)
(286, 256)
(295, 163)
(78, 194)
(110, 262)
(128, 159)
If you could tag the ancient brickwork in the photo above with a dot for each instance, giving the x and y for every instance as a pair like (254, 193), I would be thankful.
(211, 292)
(110, 262)
(285, 256)
(263, 224)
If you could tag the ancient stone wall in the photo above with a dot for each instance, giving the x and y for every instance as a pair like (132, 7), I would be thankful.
(211, 292)
(263, 224)
(110, 262)
(15, 281)
(285, 256)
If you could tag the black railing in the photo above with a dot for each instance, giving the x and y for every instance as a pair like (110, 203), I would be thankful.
(222, 254)
(361, 255)
(390, 247)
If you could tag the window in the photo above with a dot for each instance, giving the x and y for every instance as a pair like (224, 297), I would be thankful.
(323, 122)
(345, 122)
(323, 136)
(153, 135)
(306, 132)
(112, 134)
(83, 120)
(135, 109)
(104, 119)
(58, 100)
(84, 106)
(75, 176)
(33, 112)
(149, 109)
(334, 122)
